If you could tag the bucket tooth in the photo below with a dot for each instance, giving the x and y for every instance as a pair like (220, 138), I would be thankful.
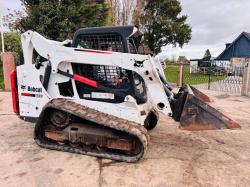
(197, 114)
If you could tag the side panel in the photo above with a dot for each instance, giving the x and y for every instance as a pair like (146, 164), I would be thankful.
(32, 96)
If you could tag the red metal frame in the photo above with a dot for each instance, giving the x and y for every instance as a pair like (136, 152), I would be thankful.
(85, 80)
(14, 91)
(94, 51)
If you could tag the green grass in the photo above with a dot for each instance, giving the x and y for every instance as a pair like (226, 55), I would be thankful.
(1, 78)
(171, 73)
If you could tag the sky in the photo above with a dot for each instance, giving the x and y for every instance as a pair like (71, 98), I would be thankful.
(11, 4)
(213, 22)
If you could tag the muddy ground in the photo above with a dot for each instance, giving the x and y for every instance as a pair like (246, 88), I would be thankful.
(174, 158)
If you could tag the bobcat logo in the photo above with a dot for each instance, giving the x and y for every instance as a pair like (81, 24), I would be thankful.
(138, 63)
(23, 87)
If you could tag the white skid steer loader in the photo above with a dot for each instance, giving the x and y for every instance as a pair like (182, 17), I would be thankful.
(97, 96)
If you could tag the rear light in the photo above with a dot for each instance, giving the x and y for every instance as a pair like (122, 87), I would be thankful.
(14, 91)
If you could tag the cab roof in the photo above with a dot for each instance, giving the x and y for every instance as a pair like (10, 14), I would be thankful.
(124, 31)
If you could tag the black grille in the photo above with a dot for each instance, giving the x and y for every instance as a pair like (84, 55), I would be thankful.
(108, 76)
(105, 42)
(112, 78)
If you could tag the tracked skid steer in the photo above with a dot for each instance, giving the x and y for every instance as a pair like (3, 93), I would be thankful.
(100, 93)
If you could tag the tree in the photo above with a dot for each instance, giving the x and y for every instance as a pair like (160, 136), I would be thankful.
(170, 60)
(122, 11)
(56, 19)
(207, 55)
(167, 60)
(127, 11)
(115, 11)
(12, 42)
(139, 12)
(164, 25)
(183, 59)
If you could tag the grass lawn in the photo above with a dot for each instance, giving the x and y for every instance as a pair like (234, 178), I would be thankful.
(1, 77)
(171, 73)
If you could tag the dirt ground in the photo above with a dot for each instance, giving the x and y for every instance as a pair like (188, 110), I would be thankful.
(174, 158)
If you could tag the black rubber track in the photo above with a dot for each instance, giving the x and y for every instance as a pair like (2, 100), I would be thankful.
(95, 116)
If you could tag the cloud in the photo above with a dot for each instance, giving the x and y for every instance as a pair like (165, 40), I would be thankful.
(214, 23)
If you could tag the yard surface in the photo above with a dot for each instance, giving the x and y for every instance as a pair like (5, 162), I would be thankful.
(174, 158)
(171, 73)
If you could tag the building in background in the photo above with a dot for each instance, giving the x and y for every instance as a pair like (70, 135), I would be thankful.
(236, 53)
(183, 59)
(239, 48)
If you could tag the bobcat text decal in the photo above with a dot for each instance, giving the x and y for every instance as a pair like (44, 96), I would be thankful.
(31, 89)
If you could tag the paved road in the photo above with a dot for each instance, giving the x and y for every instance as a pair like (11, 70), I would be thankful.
(175, 157)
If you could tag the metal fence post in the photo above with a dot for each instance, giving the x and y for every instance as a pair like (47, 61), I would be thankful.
(180, 75)
(8, 59)
(245, 90)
